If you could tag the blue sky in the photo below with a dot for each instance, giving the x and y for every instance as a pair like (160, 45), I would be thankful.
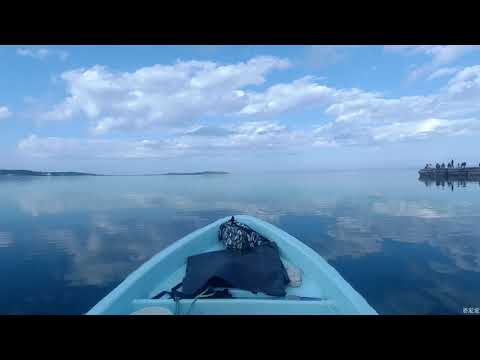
(138, 109)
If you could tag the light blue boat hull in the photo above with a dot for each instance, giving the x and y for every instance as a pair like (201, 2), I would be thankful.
(329, 293)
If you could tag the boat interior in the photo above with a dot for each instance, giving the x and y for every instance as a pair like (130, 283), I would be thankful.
(322, 290)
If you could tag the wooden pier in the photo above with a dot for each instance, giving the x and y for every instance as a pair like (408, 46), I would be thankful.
(467, 173)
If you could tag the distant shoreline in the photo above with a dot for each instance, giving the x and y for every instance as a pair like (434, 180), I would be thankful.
(44, 173)
(74, 173)
(180, 173)
(5, 172)
(198, 173)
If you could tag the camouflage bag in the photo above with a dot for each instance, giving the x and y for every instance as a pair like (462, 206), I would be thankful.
(238, 236)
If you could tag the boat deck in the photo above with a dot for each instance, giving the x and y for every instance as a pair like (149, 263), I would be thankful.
(245, 302)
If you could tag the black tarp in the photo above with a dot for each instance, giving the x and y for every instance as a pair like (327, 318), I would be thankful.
(258, 270)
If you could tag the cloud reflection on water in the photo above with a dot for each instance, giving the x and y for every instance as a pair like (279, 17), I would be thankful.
(108, 227)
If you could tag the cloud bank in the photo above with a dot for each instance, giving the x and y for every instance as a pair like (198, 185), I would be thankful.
(180, 100)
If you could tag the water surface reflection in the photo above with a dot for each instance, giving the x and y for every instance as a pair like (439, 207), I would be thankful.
(405, 246)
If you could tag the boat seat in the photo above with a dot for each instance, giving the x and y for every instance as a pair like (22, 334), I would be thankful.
(250, 306)
(153, 310)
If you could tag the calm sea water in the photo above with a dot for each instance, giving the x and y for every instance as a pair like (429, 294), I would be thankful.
(407, 246)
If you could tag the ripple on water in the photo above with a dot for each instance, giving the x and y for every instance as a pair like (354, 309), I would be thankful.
(5, 239)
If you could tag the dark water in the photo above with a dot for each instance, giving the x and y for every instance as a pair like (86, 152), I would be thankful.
(407, 246)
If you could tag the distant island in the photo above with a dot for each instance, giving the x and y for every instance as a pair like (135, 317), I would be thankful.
(198, 173)
(73, 173)
(43, 173)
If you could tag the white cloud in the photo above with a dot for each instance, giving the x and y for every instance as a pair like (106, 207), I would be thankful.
(300, 93)
(97, 148)
(282, 97)
(359, 118)
(261, 134)
(423, 129)
(370, 119)
(4, 112)
(466, 84)
(42, 53)
(368, 132)
(168, 95)
(440, 55)
(442, 72)
(371, 109)
(250, 136)
(181, 96)
(247, 138)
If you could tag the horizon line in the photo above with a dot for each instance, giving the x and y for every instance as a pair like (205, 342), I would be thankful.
(230, 172)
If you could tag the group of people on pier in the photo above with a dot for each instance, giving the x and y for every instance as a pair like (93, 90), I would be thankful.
(450, 165)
